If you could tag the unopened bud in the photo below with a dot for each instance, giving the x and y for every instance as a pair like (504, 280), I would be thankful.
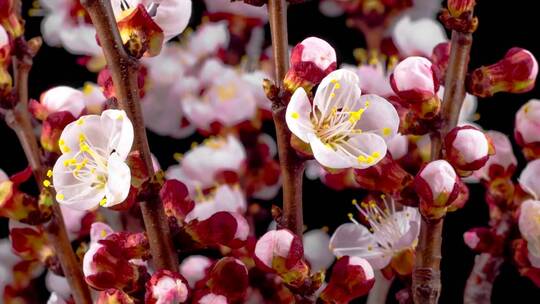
(311, 60)
(166, 287)
(515, 73)
(416, 84)
(352, 277)
(467, 148)
(459, 7)
(437, 185)
(527, 129)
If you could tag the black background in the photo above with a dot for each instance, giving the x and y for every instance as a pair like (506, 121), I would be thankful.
(503, 24)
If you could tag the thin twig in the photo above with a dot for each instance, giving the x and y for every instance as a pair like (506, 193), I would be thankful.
(19, 120)
(124, 71)
(426, 276)
(292, 167)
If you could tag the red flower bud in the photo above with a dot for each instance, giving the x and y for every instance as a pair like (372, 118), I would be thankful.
(166, 287)
(223, 228)
(440, 58)
(386, 176)
(458, 7)
(467, 148)
(229, 277)
(515, 73)
(30, 242)
(177, 204)
(415, 83)
(311, 60)
(52, 128)
(352, 277)
(281, 252)
(140, 34)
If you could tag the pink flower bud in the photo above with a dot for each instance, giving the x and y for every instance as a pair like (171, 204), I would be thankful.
(386, 176)
(352, 277)
(501, 164)
(166, 287)
(281, 252)
(177, 204)
(529, 181)
(223, 228)
(229, 277)
(483, 239)
(515, 73)
(415, 83)
(467, 148)
(311, 61)
(527, 128)
(440, 58)
(458, 7)
(194, 268)
(437, 184)
(62, 98)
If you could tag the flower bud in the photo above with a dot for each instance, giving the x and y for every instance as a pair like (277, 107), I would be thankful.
(386, 176)
(527, 129)
(229, 277)
(503, 163)
(458, 7)
(529, 181)
(59, 99)
(483, 239)
(166, 287)
(530, 229)
(114, 296)
(281, 252)
(415, 83)
(467, 148)
(30, 242)
(223, 228)
(522, 261)
(140, 33)
(515, 73)
(352, 277)
(440, 58)
(437, 185)
(52, 129)
(311, 61)
(194, 268)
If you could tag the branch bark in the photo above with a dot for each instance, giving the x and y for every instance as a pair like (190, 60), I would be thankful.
(292, 167)
(19, 120)
(426, 275)
(124, 71)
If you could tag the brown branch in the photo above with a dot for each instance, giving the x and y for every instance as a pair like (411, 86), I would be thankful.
(426, 276)
(292, 167)
(19, 120)
(124, 71)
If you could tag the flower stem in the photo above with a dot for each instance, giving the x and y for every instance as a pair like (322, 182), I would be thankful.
(426, 277)
(19, 120)
(292, 167)
(124, 71)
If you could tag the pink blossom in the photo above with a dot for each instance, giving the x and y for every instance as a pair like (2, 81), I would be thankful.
(63, 98)
(467, 148)
(224, 198)
(529, 181)
(527, 128)
(530, 229)
(209, 38)
(194, 268)
(417, 37)
(413, 79)
(437, 183)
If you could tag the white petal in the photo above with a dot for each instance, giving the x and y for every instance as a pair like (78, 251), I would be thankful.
(380, 117)
(118, 182)
(119, 131)
(344, 84)
(90, 127)
(317, 250)
(80, 40)
(369, 145)
(172, 16)
(417, 37)
(329, 157)
(298, 114)
(63, 98)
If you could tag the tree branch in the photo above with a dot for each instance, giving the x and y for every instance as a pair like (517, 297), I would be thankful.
(19, 120)
(124, 71)
(426, 275)
(292, 167)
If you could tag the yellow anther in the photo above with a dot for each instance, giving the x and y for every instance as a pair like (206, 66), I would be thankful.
(82, 138)
(333, 80)
(87, 88)
(103, 201)
(80, 121)
(178, 156)
(369, 248)
(386, 131)
(120, 117)
(332, 95)
(364, 205)
(376, 154)
(47, 183)
(49, 173)
(361, 159)
(354, 202)
(383, 196)
(356, 116)
(85, 148)
(295, 115)
(350, 215)
(59, 197)
(103, 233)
(337, 85)
(194, 145)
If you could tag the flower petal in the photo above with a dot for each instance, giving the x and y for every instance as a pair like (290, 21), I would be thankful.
(328, 156)
(298, 115)
(380, 117)
(119, 131)
(118, 182)
(340, 89)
